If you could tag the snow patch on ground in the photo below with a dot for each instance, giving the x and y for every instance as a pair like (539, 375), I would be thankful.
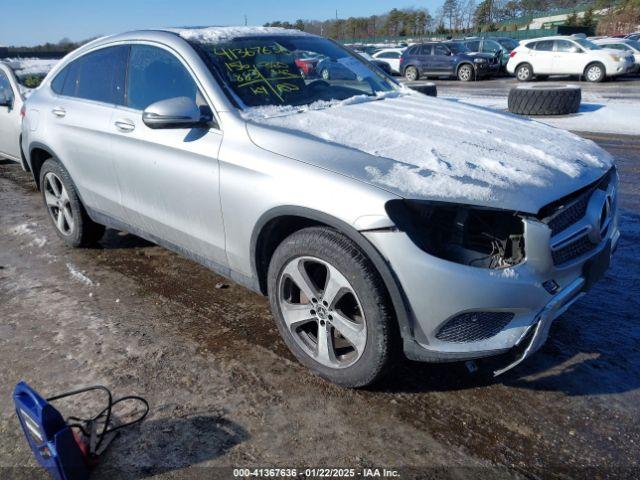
(596, 114)
(28, 229)
(79, 276)
(221, 34)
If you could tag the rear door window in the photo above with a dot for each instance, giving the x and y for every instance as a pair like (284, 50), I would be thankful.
(425, 50)
(155, 75)
(564, 46)
(545, 46)
(439, 50)
(97, 76)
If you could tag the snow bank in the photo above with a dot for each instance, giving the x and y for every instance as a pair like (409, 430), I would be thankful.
(596, 115)
(31, 66)
(221, 34)
(28, 229)
(79, 276)
(447, 150)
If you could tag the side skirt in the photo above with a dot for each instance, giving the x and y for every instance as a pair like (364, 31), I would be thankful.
(249, 282)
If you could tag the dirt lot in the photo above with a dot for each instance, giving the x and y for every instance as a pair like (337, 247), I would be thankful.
(224, 392)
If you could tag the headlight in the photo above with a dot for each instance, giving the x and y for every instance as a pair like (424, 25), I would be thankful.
(616, 58)
(474, 236)
(479, 60)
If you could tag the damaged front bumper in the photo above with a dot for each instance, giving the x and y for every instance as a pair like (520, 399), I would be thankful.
(537, 334)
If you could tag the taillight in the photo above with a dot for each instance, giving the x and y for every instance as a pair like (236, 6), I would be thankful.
(23, 111)
(512, 54)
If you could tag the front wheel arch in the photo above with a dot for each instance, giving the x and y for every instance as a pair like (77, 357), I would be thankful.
(303, 217)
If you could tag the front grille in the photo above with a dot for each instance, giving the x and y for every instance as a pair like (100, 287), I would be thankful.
(573, 250)
(473, 326)
(563, 213)
(570, 215)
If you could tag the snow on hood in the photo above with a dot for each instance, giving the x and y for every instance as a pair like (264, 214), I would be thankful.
(221, 34)
(423, 147)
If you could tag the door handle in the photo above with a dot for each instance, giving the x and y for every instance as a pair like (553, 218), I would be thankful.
(125, 125)
(59, 112)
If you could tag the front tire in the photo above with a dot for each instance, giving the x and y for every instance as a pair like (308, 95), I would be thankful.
(331, 307)
(595, 73)
(68, 215)
(465, 73)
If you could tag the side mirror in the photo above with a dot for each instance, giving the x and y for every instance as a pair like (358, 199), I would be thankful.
(179, 112)
(575, 50)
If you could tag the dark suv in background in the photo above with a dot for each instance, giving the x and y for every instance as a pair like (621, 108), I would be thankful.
(500, 46)
(446, 58)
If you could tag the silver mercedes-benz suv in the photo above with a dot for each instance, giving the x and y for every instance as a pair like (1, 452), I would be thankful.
(376, 219)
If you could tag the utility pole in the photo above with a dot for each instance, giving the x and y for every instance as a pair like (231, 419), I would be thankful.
(245, 20)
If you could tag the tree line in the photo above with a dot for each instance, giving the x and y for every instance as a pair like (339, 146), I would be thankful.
(460, 16)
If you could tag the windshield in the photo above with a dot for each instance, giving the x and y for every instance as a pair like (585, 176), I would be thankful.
(507, 43)
(635, 44)
(587, 44)
(458, 47)
(292, 70)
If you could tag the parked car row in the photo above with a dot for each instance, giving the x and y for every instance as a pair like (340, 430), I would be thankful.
(481, 57)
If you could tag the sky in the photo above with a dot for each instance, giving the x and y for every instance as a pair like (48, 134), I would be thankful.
(32, 22)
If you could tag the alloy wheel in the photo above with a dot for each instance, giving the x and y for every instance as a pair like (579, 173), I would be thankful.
(523, 74)
(322, 312)
(58, 204)
(594, 73)
(411, 74)
(465, 73)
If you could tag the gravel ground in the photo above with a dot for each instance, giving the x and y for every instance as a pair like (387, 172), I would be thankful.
(225, 392)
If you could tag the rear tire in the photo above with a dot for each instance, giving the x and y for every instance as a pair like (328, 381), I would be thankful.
(524, 72)
(319, 261)
(69, 217)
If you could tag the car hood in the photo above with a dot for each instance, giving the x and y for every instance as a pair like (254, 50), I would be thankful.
(480, 55)
(422, 147)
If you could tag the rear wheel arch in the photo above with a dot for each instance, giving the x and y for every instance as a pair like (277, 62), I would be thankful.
(277, 224)
(38, 154)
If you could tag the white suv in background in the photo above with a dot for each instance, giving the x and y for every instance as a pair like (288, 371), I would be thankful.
(391, 56)
(562, 55)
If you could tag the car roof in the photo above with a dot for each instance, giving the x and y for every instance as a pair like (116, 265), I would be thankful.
(553, 37)
(611, 40)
